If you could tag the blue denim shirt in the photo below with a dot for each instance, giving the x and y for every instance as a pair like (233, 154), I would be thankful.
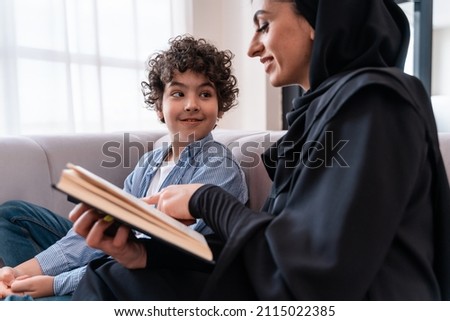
(204, 161)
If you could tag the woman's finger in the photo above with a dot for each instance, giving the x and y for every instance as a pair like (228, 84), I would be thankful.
(77, 211)
(85, 222)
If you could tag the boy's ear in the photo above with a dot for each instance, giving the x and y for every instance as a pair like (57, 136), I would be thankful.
(220, 114)
(160, 115)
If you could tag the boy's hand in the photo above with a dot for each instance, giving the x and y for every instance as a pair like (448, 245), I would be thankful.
(13, 284)
(37, 286)
(4, 290)
(7, 275)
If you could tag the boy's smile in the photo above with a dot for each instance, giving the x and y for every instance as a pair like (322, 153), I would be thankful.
(192, 120)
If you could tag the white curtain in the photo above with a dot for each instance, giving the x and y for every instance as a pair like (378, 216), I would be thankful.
(408, 8)
(76, 65)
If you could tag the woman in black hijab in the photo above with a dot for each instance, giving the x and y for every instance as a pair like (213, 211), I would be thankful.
(359, 208)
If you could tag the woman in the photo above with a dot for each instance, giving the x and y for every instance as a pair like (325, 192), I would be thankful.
(359, 208)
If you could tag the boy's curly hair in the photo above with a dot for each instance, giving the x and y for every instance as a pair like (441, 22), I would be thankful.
(187, 53)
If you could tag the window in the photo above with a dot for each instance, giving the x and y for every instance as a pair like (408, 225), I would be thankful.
(77, 65)
(420, 16)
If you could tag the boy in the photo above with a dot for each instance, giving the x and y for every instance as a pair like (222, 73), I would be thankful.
(190, 86)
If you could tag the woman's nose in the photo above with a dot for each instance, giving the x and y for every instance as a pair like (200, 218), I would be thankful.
(255, 48)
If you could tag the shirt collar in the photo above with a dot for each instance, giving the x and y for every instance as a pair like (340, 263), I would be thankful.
(188, 152)
(195, 147)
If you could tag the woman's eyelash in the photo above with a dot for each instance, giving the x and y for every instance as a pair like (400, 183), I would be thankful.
(263, 27)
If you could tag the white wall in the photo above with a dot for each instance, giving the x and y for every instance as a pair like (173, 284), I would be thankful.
(440, 82)
(441, 63)
(229, 25)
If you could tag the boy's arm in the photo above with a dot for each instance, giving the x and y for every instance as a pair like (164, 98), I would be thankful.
(10, 275)
(30, 268)
(68, 253)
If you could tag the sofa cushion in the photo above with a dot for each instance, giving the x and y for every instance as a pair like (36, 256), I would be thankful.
(24, 171)
(248, 150)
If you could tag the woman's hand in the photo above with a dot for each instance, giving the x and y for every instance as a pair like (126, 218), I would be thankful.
(122, 246)
(174, 201)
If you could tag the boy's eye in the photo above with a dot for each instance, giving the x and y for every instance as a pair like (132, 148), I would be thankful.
(177, 94)
(205, 94)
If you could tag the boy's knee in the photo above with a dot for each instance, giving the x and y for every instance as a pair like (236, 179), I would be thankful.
(13, 203)
(13, 207)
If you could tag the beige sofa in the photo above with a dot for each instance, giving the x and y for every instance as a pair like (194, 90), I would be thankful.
(29, 165)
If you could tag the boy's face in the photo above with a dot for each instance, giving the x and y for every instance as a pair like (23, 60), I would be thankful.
(189, 107)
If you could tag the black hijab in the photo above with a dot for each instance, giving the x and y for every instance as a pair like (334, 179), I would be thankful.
(353, 34)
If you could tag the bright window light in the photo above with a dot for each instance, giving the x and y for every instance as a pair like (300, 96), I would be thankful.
(76, 65)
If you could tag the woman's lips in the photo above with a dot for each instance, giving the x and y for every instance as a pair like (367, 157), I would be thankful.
(266, 61)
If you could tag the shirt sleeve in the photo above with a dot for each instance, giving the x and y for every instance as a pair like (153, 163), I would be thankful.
(128, 183)
(68, 253)
(66, 282)
(223, 171)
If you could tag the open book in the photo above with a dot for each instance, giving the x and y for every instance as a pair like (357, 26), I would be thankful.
(95, 191)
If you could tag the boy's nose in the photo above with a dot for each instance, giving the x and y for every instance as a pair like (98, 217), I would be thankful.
(191, 106)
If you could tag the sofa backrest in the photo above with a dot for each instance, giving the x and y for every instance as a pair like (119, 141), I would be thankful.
(29, 165)
(444, 144)
(247, 151)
